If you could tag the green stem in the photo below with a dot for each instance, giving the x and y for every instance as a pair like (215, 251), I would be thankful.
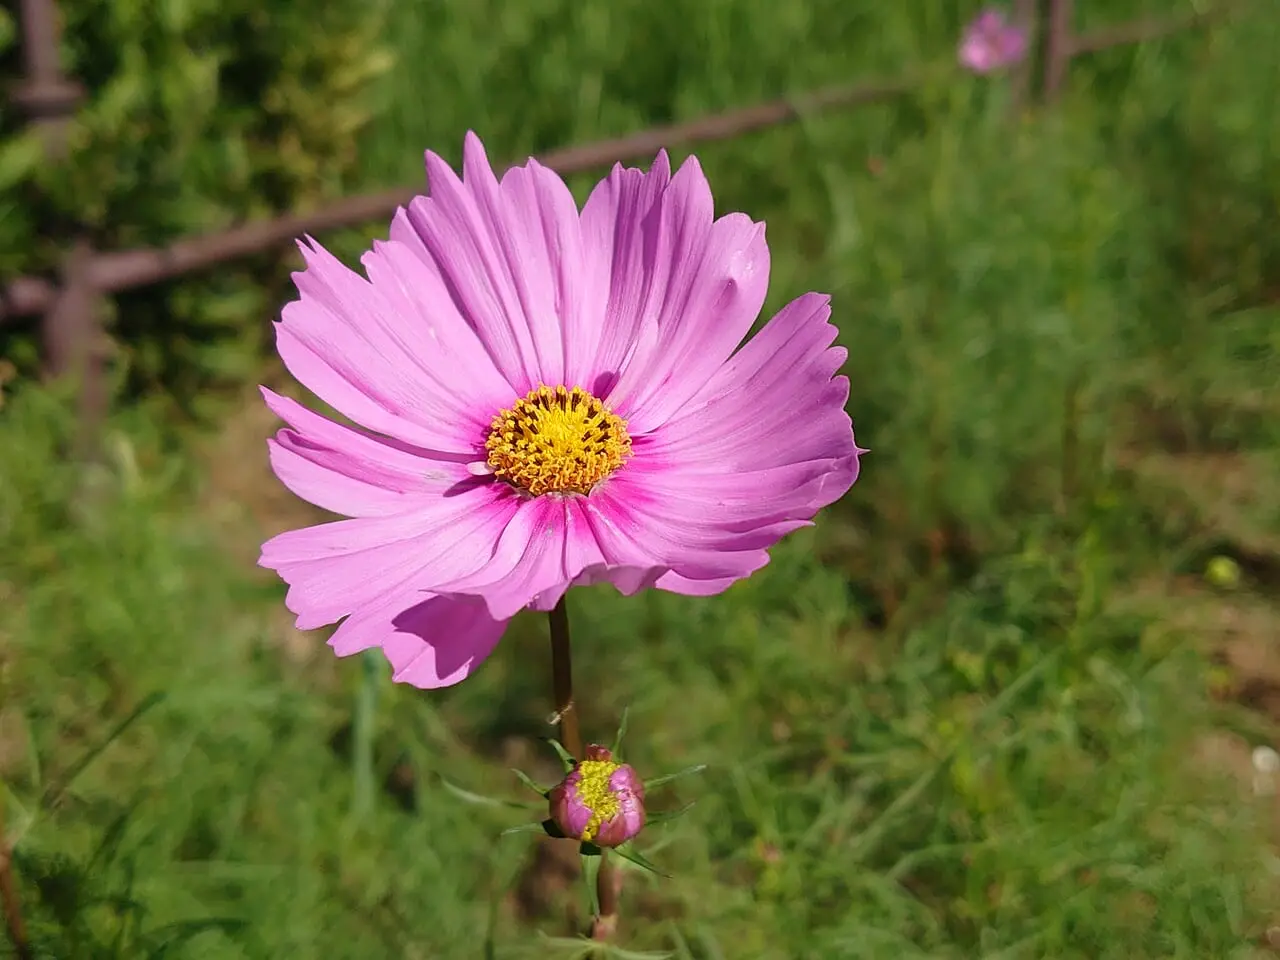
(606, 921)
(562, 680)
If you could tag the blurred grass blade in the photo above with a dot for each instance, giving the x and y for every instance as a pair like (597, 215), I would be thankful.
(60, 786)
(364, 733)
(870, 839)
(622, 732)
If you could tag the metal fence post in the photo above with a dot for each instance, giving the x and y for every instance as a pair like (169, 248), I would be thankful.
(70, 331)
(1058, 47)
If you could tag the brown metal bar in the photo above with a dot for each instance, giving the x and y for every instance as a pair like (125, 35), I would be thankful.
(133, 268)
(1057, 55)
(46, 96)
(112, 272)
(1140, 31)
(1025, 15)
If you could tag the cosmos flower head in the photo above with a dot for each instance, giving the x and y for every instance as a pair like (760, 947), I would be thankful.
(544, 397)
(992, 43)
(600, 801)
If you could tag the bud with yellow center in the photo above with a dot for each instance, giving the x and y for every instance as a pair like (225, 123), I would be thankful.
(601, 801)
(557, 440)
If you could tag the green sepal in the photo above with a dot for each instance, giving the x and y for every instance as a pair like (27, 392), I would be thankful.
(552, 829)
(687, 771)
(481, 800)
(665, 816)
(627, 852)
(565, 757)
(589, 849)
(528, 782)
(522, 828)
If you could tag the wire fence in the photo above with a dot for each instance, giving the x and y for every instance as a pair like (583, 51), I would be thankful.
(70, 301)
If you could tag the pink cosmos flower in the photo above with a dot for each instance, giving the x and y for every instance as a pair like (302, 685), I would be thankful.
(545, 397)
(991, 43)
(600, 801)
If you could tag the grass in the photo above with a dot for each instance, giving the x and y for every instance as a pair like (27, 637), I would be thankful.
(987, 708)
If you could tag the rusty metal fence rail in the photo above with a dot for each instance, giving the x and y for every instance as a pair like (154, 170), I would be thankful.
(69, 302)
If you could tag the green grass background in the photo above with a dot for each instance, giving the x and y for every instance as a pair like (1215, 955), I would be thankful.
(965, 716)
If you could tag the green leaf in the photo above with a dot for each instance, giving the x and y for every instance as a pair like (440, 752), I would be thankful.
(528, 782)
(687, 771)
(666, 816)
(481, 800)
(639, 860)
(523, 828)
(565, 757)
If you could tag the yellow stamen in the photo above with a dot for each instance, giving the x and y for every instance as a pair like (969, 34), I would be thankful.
(594, 791)
(557, 440)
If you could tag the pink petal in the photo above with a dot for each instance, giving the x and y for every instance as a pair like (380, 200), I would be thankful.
(621, 231)
(335, 568)
(712, 289)
(429, 641)
(545, 546)
(468, 384)
(777, 401)
(345, 470)
(760, 449)
(353, 347)
(510, 255)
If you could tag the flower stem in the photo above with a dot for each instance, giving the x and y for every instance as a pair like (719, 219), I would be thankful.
(607, 883)
(562, 680)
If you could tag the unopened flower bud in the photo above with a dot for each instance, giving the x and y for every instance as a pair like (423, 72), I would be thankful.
(601, 801)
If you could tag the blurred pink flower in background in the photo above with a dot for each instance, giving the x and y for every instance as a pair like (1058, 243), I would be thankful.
(545, 397)
(992, 43)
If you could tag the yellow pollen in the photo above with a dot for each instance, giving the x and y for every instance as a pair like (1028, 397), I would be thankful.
(557, 440)
(594, 791)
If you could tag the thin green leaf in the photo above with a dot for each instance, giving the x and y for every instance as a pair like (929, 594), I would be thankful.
(59, 787)
(528, 782)
(523, 828)
(666, 816)
(481, 800)
(565, 757)
(687, 771)
(640, 861)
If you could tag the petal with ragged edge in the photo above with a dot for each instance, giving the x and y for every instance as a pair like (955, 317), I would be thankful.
(429, 641)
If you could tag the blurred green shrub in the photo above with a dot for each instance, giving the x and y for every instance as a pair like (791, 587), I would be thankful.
(200, 114)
